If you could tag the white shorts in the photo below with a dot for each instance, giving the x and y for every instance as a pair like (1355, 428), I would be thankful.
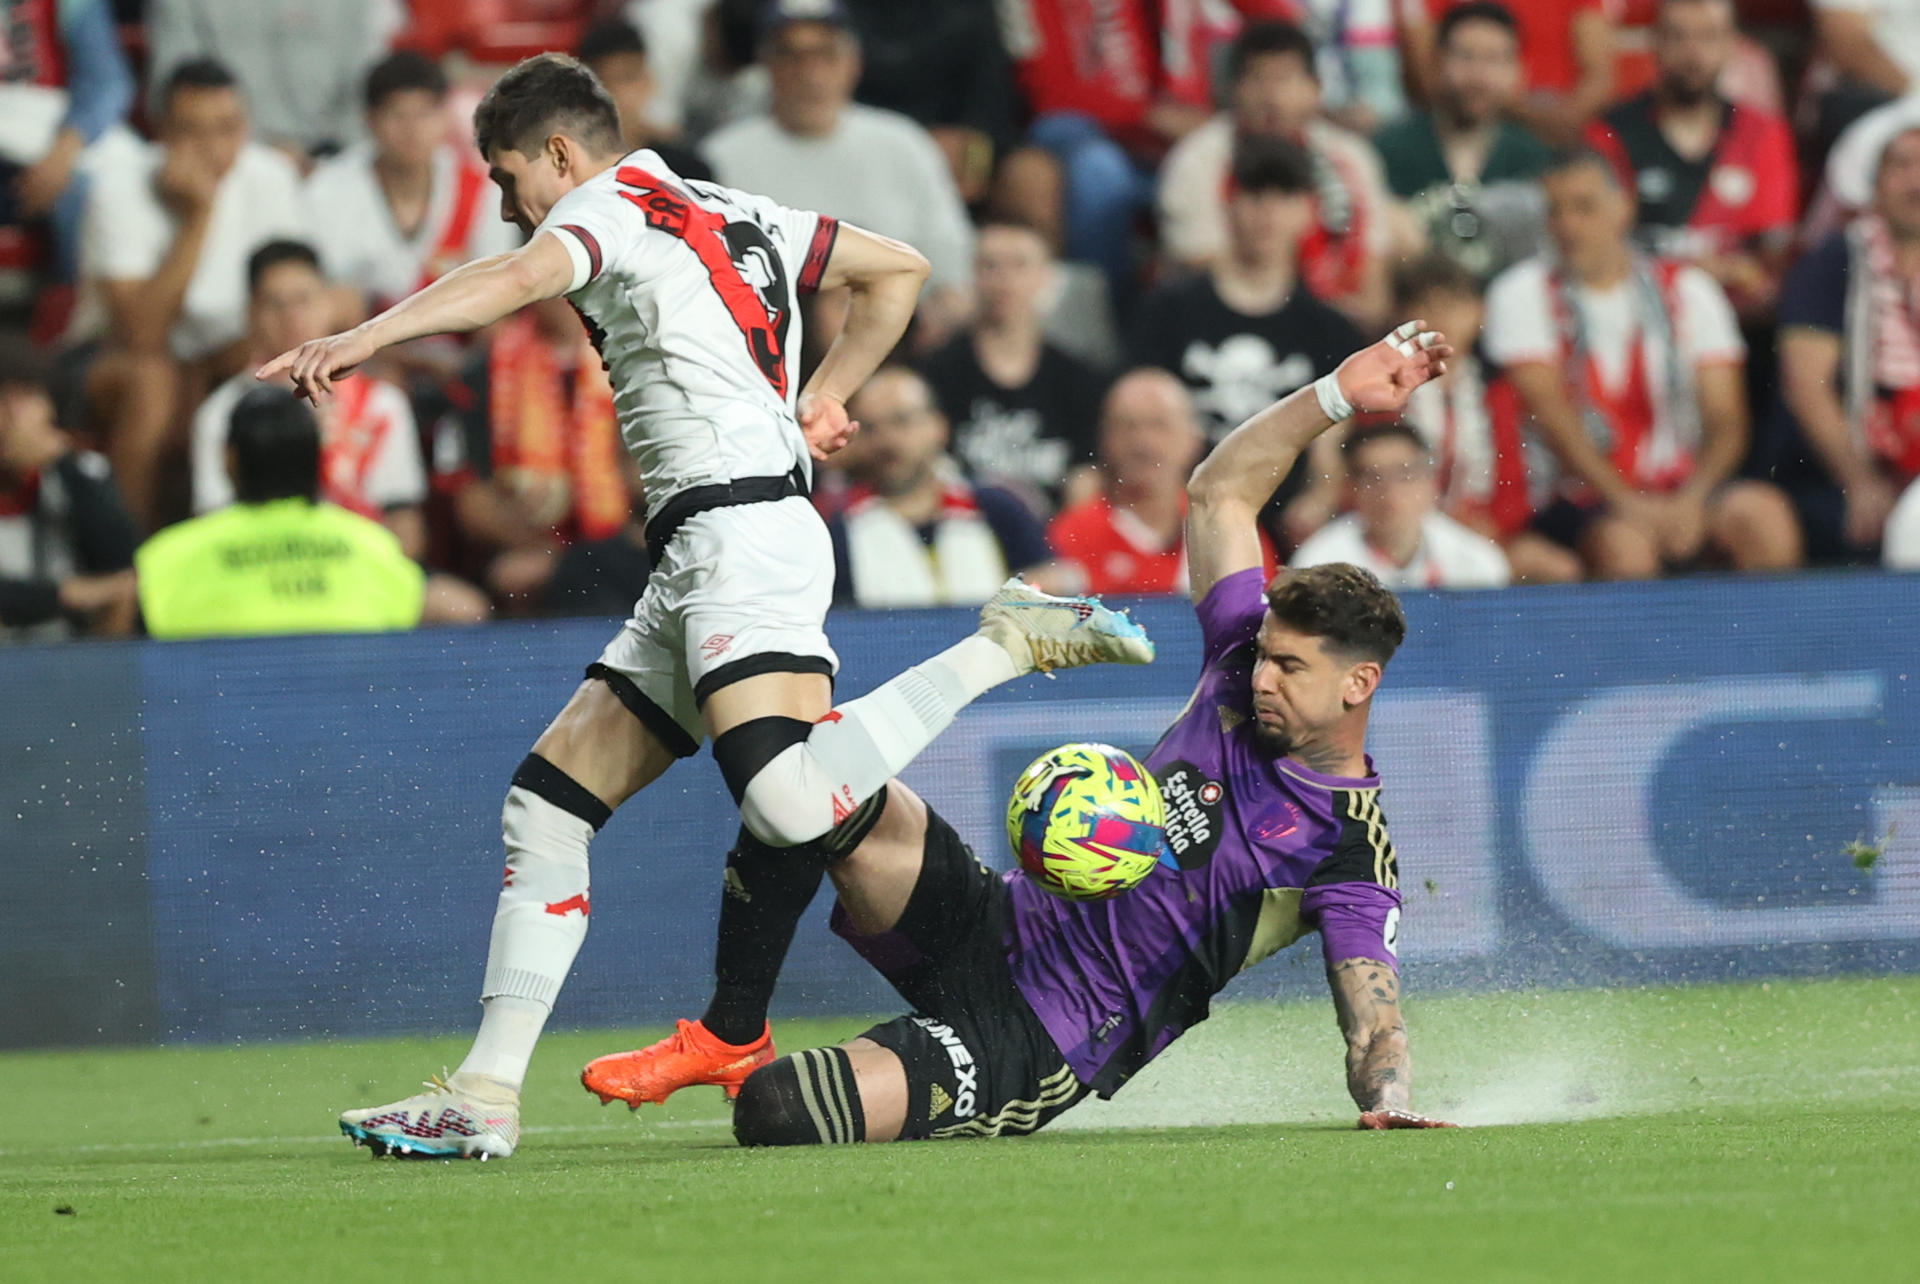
(741, 591)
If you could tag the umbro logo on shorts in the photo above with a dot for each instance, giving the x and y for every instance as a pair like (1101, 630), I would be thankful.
(716, 646)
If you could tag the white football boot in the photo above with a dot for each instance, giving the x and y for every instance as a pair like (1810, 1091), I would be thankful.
(440, 1123)
(1043, 632)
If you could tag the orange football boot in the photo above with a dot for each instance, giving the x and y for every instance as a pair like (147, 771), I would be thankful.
(688, 1056)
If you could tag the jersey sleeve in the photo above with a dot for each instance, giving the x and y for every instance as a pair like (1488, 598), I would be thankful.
(595, 226)
(1355, 921)
(1353, 896)
(1231, 612)
(1711, 333)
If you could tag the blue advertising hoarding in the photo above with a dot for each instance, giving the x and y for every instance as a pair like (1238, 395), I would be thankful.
(1604, 784)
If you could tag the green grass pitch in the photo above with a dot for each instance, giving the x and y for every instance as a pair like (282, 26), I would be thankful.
(1761, 1132)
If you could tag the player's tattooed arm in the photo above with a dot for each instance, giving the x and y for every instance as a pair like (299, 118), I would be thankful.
(1366, 995)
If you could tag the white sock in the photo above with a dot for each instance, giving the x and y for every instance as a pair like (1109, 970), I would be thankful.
(537, 929)
(809, 787)
(509, 1028)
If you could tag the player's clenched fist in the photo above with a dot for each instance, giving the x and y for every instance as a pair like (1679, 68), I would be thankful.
(824, 423)
(1386, 1120)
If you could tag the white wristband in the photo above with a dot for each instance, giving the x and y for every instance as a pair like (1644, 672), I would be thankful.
(1333, 403)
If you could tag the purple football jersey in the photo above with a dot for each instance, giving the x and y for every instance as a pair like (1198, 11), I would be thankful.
(1263, 851)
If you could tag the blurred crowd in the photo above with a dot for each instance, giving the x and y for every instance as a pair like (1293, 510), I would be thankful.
(1676, 243)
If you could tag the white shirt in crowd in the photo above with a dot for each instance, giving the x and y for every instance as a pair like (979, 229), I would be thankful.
(697, 405)
(1896, 29)
(127, 232)
(1449, 556)
(877, 169)
(1522, 327)
(360, 244)
(373, 461)
(1193, 187)
(1900, 544)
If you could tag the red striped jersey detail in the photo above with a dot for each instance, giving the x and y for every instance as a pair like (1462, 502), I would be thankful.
(818, 252)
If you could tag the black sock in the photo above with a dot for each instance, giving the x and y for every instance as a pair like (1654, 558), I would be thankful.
(767, 892)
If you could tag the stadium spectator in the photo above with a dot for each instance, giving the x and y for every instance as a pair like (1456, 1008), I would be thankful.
(1023, 412)
(1717, 183)
(916, 533)
(1359, 60)
(1130, 538)
(1274, 92)
(1491, 472)
(815, 148)
(64, 83)
(1396, 529)
(369, 447)
(395, 211)
(681, 40)
(944, 66)
(527, 458)
(1468, 174)
(1871, 52)
(615, 51)
(1852, 168)
(1566, 51)
(279, 560)
(1093, 79)
(1249, 331)
(1633, 371)
(163, 268)
(300, 62)
(1850, 365)
(66, 541)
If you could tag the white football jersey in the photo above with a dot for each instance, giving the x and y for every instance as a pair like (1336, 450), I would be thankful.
(690, 292)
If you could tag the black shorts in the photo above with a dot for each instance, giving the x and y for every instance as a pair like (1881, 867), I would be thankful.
(979, 1062)
(1565, 522)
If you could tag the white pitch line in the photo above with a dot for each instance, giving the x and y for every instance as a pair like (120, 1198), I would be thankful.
(214, 1143)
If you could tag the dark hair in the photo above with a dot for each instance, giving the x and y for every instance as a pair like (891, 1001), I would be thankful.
(1433, 273)
(1580, 156)
(276, 253)
(1263, 164)
(1344, 606)
(1264, 40)
(1365, 435)
(399, 72)
(546, 94)
(276, 447)
(1474, 11)
(611, 36)
(21, 364)
(195, 73)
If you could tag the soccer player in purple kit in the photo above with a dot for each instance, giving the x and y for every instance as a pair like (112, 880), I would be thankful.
(1024, 1003)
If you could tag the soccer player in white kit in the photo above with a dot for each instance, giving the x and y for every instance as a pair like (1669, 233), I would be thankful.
(690, 292)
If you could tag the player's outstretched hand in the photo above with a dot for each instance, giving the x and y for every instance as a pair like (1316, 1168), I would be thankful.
(824, 422)
(313, 366)
(1386, 1120)
(1379, 379)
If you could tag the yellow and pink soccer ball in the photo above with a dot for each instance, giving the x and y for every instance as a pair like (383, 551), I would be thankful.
(1086, 821)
